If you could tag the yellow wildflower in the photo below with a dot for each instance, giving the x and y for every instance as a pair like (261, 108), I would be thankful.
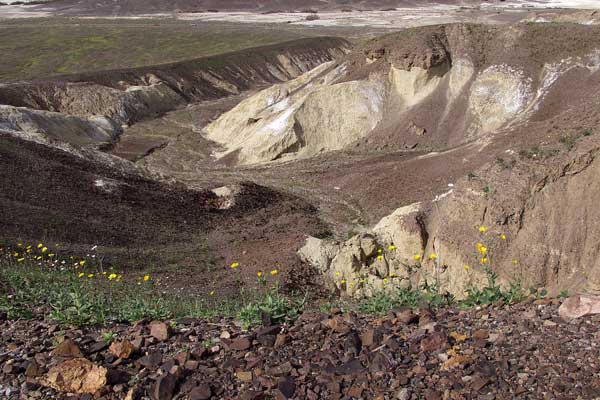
(104, 273)
(82, 263)
(343, 281)
(29, 250)
(502, 236)
(380, 258)
(466, 267)
(235, 265)
(111, 276)
(392, 248)
(20, 260)
(38, 258)
(515, 262)
(483, 250)
(146, 278)
(484, 260)
(44, 249)
(385, 280)
(81, 275)
(212, 293)
(39, 246)
(392, 275)
(379, 251)
(433, 256)
(119, 278)
(259, 274)
(274, 272)
(362, 281)
(51, 255)
(337, 273)
(19, 244)
(16, 254)
(482, 229)
(417, 257)
(90, 276)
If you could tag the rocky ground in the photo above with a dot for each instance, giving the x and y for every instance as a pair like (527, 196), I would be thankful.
(499, 352)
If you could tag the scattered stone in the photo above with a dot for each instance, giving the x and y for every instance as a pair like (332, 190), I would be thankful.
(244, 376)
(122, 350)
(240, 344)
(152, 360)
(164, 388)
(76, 376)
(67, 349)
(281, 340)
(33, 369)
(287, 388)
(160, 331)
(434, 342)
(201, 392)
(578, 306)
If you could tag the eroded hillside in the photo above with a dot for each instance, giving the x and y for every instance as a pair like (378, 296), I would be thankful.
(414, 139)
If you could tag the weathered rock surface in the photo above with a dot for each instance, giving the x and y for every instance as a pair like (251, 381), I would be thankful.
(578, 306)
(493, 352)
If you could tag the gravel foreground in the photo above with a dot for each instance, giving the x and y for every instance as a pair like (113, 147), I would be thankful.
(501, 352)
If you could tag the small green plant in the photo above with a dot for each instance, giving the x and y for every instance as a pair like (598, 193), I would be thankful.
(382, 302)
(587, 132)
(538, 293)
(488, 294)
(208, 343)
(563, 294)
(471, 176)
(272, 305)
(109, 337)
(568, 141)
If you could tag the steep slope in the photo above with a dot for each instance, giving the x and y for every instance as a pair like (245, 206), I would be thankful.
(431, 87)
(71, 107)
(75, 202)
(519, 106)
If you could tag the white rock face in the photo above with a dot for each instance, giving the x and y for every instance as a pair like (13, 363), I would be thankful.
(56, 126)
(380, 260)
(300, 118)
(498, 95)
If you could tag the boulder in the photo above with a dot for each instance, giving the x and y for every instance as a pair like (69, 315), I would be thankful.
(76, 376)
(318, 253)
(403, 228)
(578, 306)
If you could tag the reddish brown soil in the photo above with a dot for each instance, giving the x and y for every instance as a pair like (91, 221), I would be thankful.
(50, 196)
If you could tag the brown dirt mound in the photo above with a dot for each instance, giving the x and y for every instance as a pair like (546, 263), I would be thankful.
(54, 197)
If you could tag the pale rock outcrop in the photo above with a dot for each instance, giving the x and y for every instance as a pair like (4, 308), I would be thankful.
(300, 117)
(380, 260)
(404, 229)
(35, 124)
(318, 253)
(579, 306)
